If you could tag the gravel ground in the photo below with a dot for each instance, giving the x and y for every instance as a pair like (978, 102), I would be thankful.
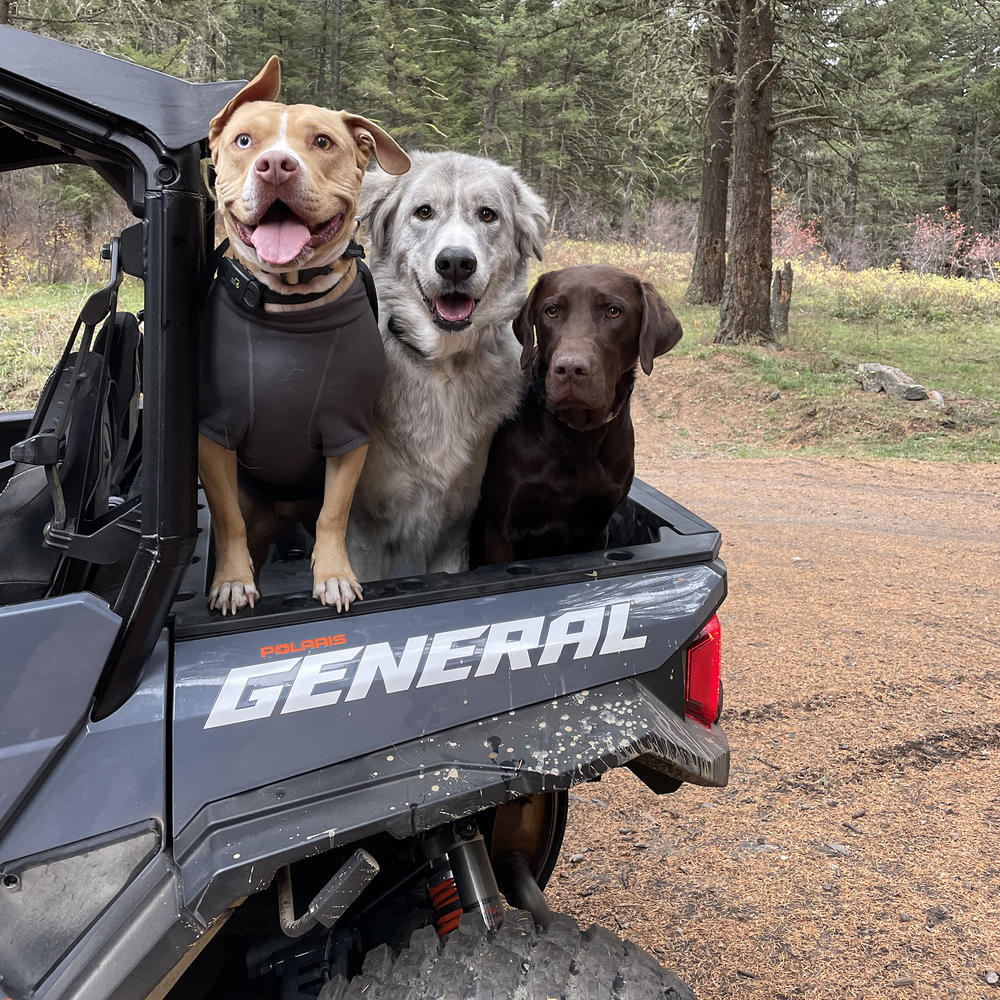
(856, 851)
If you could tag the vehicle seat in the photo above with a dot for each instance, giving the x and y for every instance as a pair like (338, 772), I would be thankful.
(95, 467)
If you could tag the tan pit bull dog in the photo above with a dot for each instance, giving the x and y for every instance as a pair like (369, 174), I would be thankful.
(292, 362)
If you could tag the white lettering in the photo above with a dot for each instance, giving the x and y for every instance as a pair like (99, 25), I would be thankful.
(259, 703)
(614, 639)
(325, 677)
(500, 644)
(378, 658)
(442, 650)
(585, 639)
(314, 672)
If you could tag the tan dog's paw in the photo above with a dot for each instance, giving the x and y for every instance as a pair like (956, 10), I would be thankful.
(231, 595)
(337, 591)
(334, 582)
(233, 589)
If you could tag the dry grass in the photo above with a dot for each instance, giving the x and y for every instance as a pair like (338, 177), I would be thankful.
(804, 400)
(710, 400)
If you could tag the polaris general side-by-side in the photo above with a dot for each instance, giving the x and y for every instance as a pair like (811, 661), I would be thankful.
(290, 803)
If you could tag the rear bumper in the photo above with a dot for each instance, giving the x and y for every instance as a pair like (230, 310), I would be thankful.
(233, 847)
(422, 783)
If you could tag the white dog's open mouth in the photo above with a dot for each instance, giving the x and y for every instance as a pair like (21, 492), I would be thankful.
(454, 308)
(280, 235)
(451, 310)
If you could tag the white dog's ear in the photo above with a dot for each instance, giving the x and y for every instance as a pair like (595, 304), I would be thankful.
(263, 87)
(531, 220)
(379, 200)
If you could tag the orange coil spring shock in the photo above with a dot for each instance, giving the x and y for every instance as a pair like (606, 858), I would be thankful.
(447, 906)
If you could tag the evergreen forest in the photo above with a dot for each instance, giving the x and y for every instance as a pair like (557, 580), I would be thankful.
(872, 141)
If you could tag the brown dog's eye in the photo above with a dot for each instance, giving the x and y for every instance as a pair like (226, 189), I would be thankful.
(487, 214)
(614, 312)
(424, 212)
(322, 142)
(551, 312)
(243, 141)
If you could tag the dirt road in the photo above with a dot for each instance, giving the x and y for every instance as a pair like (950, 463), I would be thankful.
(856, 851)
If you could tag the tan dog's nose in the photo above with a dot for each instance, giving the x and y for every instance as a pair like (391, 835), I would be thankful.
(276, 167)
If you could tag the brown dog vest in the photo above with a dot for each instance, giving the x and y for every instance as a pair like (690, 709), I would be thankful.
(285, 390)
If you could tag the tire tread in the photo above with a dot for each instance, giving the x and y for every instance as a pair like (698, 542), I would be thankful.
(517, 963)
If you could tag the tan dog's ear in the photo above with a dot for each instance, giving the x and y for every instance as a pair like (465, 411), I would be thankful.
(372, 139)
(263, 87)
(524, 326)
(660, 328)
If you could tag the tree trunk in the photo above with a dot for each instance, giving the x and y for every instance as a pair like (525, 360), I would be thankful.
(709, 270)
(4, 11)
(851, 203)
(628, 213)
(338, 24)
(956, 166)
(978, 188)
(781, 298)
(490, 114)
(745, 316)
(321, 58)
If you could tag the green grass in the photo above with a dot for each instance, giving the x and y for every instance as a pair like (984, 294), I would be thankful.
(35, 323)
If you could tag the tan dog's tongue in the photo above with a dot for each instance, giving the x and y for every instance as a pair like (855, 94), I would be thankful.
(279, 239)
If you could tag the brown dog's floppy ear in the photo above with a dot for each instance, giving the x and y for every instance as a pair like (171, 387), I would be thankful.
(660, 328)
(524, 325)
(263, 87)
(372, 139)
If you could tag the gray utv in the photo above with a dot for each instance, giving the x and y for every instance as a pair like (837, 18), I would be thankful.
(290, 803)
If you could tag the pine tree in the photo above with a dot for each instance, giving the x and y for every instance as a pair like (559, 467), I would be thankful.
(745, 313)
(709, 268)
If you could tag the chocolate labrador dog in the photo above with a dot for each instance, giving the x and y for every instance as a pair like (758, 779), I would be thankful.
(557, 471)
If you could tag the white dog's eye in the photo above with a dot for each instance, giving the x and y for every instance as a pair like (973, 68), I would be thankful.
(424, 212)
(243, 141)
(487, 214)
(323, 142)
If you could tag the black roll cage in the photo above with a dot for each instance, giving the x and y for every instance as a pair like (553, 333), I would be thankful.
(144, 133)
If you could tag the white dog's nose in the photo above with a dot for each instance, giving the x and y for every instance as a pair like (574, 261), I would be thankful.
(276, 167)
(456, 263)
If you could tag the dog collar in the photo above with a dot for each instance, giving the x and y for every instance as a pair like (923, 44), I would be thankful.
(354, 251)
(252, 294)
(304, 276)
(400, 334)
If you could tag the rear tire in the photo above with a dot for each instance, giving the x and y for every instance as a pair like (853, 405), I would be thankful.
(516, 963)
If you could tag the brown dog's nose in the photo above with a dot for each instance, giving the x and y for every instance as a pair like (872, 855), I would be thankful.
(570, 365)
(275, 167)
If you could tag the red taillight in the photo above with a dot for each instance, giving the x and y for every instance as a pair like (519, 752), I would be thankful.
(704, 666)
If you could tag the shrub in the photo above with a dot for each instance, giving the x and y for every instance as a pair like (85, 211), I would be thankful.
(792, 237)
(943, 244)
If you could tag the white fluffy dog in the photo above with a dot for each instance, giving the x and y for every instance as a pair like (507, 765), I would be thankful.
(450, 243)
